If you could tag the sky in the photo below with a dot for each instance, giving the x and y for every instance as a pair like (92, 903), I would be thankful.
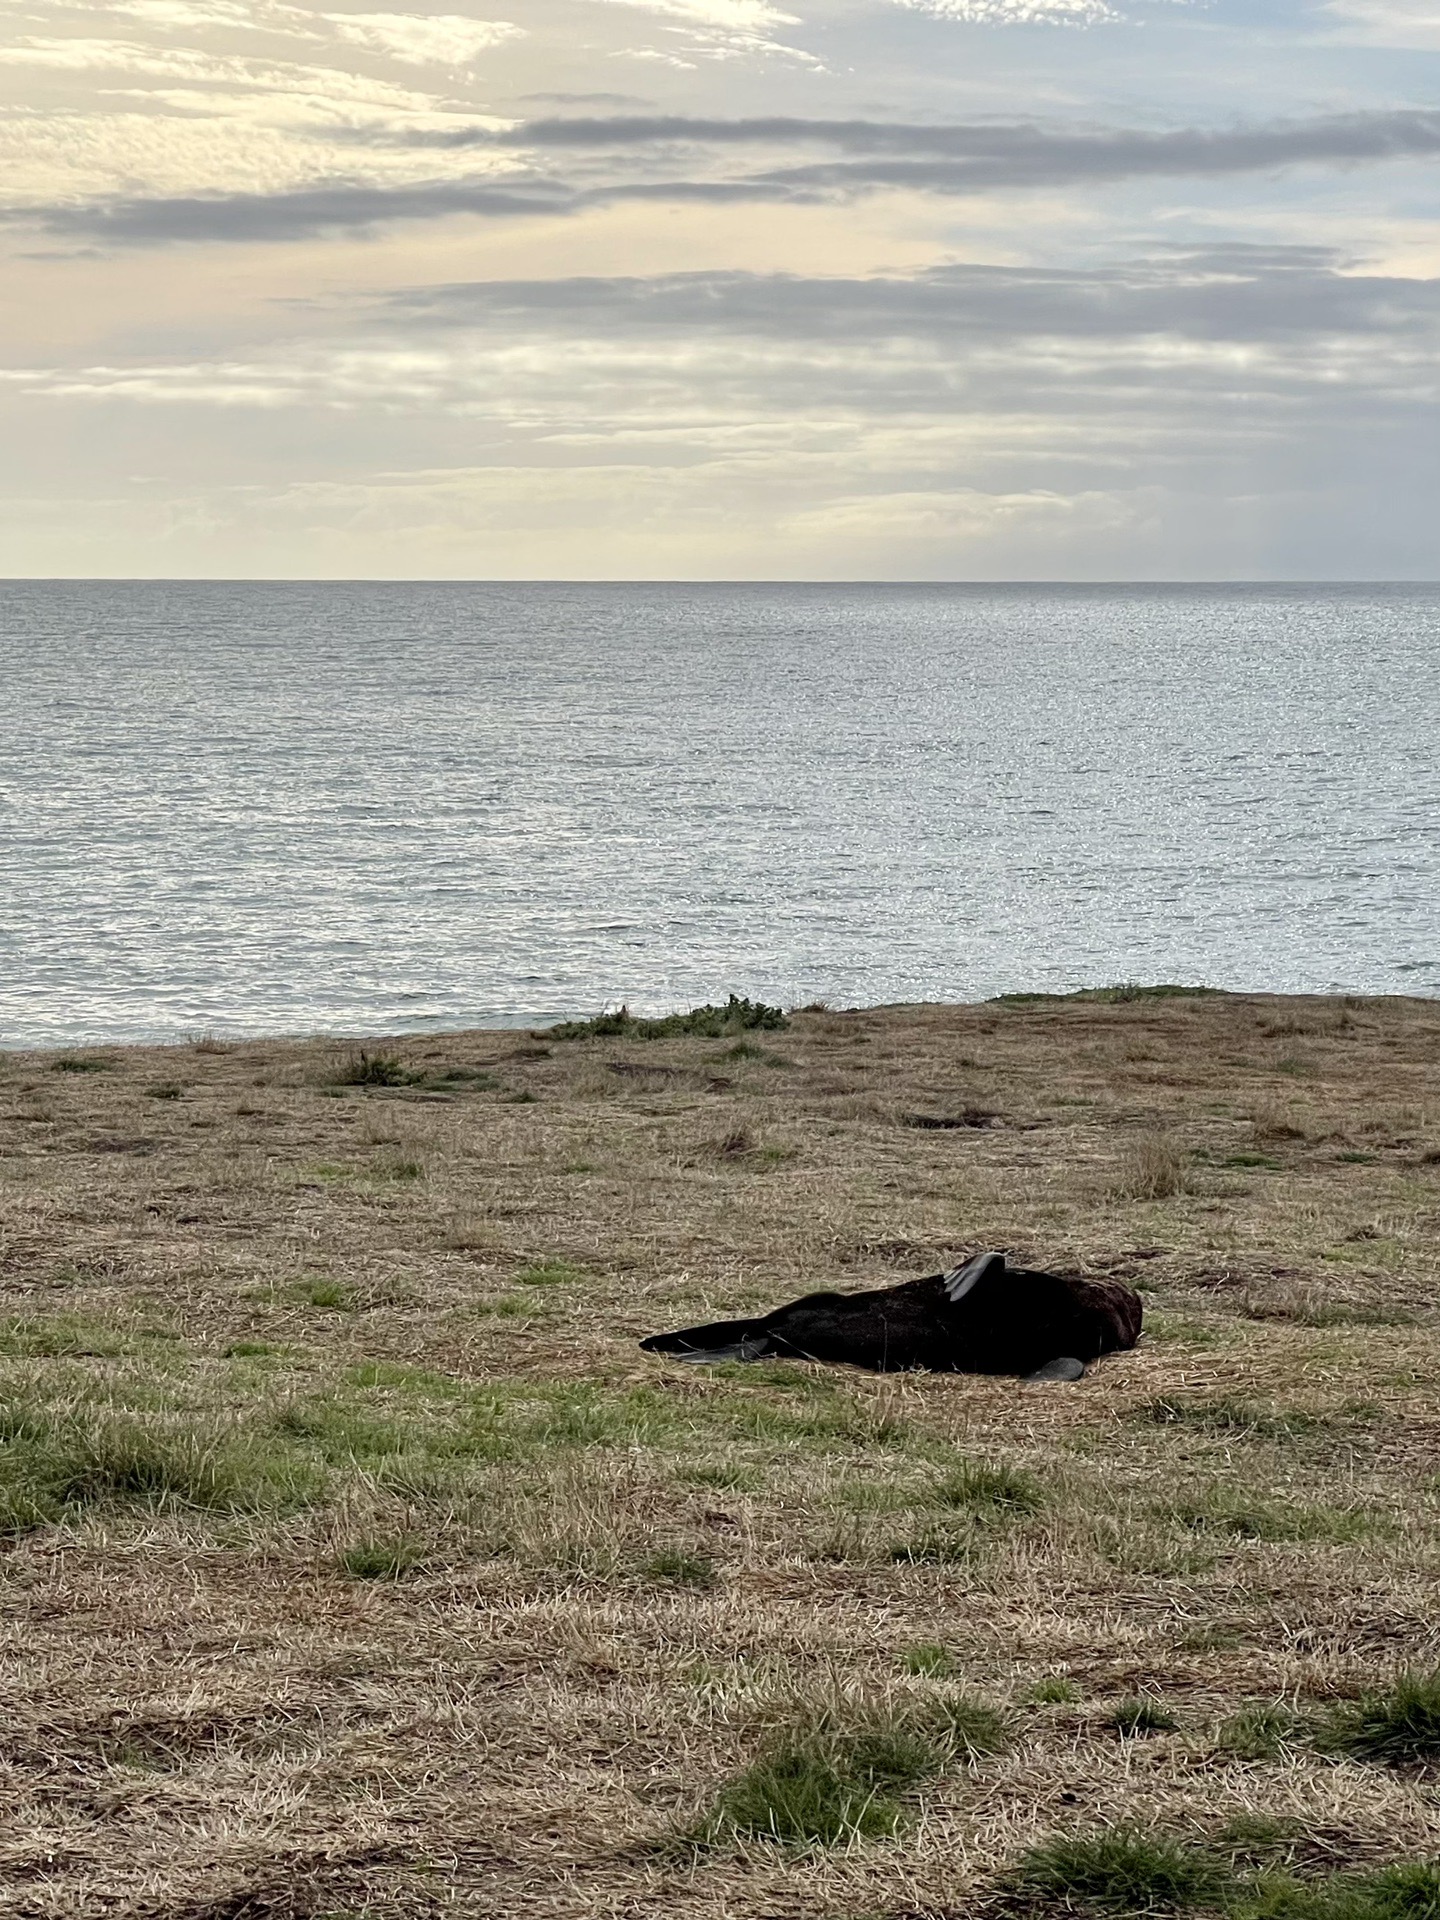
(721, 289)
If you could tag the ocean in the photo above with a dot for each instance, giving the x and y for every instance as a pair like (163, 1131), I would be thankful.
(362, 808)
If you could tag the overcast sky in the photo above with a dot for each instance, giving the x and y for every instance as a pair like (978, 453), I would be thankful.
(848, 289)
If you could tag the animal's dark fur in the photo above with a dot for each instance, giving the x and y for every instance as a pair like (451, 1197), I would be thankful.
(1013, 1320)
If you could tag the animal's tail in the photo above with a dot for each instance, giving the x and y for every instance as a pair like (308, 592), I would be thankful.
(721, 1340)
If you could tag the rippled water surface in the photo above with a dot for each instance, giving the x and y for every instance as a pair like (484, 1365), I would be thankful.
(352, 808)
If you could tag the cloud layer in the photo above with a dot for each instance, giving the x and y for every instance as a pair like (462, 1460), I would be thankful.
(720, 286)
(869, 157)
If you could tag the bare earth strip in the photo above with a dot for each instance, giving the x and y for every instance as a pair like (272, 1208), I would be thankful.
(357, 1563)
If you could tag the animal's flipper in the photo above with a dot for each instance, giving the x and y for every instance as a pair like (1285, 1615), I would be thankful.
(708, 1346)
(961, 1281)
(1064, 1367)
(713, 1356)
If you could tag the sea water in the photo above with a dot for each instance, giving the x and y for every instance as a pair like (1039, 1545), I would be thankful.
(365, 808)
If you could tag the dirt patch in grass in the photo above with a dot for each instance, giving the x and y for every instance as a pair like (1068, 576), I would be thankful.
(356, 1558)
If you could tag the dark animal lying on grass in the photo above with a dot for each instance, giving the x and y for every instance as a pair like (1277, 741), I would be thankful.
(984, 1317)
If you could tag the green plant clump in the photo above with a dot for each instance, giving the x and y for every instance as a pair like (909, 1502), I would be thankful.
(679, 1567)
(53, 1466)
(1054, 1691)
(1125, 1870)
(1118, 1869)
(709, 1022)
(1399, 1727)
(977, 1486)
(379, 1559)
(1258, 1732)
(1142, 1715)
(830, 1778)
(363, 1069)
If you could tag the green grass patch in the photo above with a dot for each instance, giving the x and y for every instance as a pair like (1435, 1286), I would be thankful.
(379, 1559)
(43, 1339)
(55, 1465)
(327, 1293)
(833, 1775)
(1407, 1892)
(1228, 1415)
(362, 1069)
(397, 1378)
(1141, 1715)
(979, 1488)
(1127, 1870)
(1397, 1727)
(930, 1661)
(1054, 1691)
(679, 1567)
(1242, 1516)
(709, 1022)
(1118, 1870)
(940, 1547)
(1260, 1732)
(547, 1273)
(79, 1063)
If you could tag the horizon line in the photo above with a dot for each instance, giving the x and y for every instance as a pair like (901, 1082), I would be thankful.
(681, 580)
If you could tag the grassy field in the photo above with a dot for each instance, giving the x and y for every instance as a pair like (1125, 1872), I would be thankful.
(356, 1562)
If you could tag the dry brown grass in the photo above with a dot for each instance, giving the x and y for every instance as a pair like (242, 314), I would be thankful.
(369, 1568)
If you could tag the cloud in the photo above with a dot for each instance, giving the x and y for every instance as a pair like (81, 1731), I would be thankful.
(170, 15)
(1267, 317)
(719, 29)
(1017, 13)
(1389, 23)
(423, 39)
(1021, 150)
(1228, 294)
(298, 214)
(817, 424)
(949, 160)
(200, 68)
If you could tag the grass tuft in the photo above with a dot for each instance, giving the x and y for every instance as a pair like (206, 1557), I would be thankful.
(1225, 1414)
(1259, 1732)
(1398, 1727)
(547, 1273)
(1119, 1869)
(833, 1776)
(327, 1293)
(1140, 1715)
(978, 1487)
(55, 1465)
(1054, 1691)
(679, 1567)
(709, 1022)
(362, 1069)
(379, 1559)
(930, 1661)
(1246, 1517)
